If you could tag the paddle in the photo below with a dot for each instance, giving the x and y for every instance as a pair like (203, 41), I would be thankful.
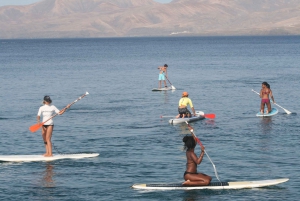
(288, 112)
(173, 88)
(199, 142)
(37, 126)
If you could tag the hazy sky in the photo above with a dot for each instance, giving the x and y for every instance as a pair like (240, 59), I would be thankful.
(25, 2)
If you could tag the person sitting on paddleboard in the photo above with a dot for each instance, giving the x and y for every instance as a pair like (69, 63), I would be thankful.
(191, 176)
(47, 111)
(265, 92)
(162, 73)
(182, 108)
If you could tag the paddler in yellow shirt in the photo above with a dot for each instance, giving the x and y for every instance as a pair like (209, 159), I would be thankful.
(182, 107)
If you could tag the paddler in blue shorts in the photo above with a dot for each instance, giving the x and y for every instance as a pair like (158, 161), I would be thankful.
(162, 73)
(182, 107)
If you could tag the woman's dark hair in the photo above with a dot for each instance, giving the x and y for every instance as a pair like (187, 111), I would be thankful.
(267, 85)
(189, 142)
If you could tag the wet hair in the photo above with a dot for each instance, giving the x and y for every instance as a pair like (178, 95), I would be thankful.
(267, 85)
(47, 99)
(189, 142)
(166, 65)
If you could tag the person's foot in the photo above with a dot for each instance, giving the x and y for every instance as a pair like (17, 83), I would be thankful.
(187, 182)
(48, 155)
(267, 112)
(166, 86)
(261, 112)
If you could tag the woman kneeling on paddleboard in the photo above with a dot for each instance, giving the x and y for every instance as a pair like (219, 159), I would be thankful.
(265, 92)
(191, 176)
(47, 111)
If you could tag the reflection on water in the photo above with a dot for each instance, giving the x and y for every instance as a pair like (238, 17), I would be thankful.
(266, 125)
(48, 181)
(184, 129)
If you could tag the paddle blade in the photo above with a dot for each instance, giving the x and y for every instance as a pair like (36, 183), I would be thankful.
(173, 88)
(210, 116)
(35, 127)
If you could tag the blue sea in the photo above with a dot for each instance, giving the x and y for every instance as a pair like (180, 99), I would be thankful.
(121, 117)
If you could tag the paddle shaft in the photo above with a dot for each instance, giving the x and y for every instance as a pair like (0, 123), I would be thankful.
(67, 106)
(35, 127)
(170, 82)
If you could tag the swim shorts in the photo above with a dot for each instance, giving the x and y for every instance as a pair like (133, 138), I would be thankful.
(265, 100)
(161, 77)
(183, 111)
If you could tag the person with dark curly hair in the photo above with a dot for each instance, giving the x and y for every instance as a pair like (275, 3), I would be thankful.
(265, 94)
(191, 176)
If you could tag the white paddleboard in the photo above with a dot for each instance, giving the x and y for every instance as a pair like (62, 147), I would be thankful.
(212, 185)
(162, 89)
(273, 112)
(28, 158)
(199, 115)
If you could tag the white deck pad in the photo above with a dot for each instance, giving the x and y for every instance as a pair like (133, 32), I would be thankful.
(212, 185)
(28, 158)
(162, 89)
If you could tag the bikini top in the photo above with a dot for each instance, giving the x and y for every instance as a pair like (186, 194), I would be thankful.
(264, 92)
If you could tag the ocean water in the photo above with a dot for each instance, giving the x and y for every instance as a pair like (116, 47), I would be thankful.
(120, 118)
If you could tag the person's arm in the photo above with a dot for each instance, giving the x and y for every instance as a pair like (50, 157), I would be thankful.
(38, 118)
(194, 113)
(271, 94)
(199, 159)
(64, 110)
(192, 107)
(260, 93)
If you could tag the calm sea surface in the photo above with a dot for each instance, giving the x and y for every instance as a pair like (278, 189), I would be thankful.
(120, 119)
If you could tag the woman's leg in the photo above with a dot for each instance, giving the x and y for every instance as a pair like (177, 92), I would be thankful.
(197, 179)
(262, 107)
(44, 130)
(269, 107)
(48, 140)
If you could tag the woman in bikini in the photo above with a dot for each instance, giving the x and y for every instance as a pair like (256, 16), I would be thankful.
(47, 111)
(191, 176)
(265, 93)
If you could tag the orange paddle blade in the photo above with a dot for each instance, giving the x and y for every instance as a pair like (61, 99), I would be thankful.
(35, 127)
(210, 116)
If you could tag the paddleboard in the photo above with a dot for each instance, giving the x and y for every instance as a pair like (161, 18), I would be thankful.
(162, 89)
(212, 185)
(29, 158)
(273, 112)
(199, 115)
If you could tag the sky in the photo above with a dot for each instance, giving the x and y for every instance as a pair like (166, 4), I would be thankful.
(26, 2)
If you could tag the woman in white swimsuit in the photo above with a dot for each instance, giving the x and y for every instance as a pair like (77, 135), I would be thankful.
(47, 110)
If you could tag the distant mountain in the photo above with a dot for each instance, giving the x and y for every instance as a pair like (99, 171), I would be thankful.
(123, 18)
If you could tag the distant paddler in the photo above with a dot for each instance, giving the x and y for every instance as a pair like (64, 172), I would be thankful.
(264, 94)
(182, 107)
(162, 75)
